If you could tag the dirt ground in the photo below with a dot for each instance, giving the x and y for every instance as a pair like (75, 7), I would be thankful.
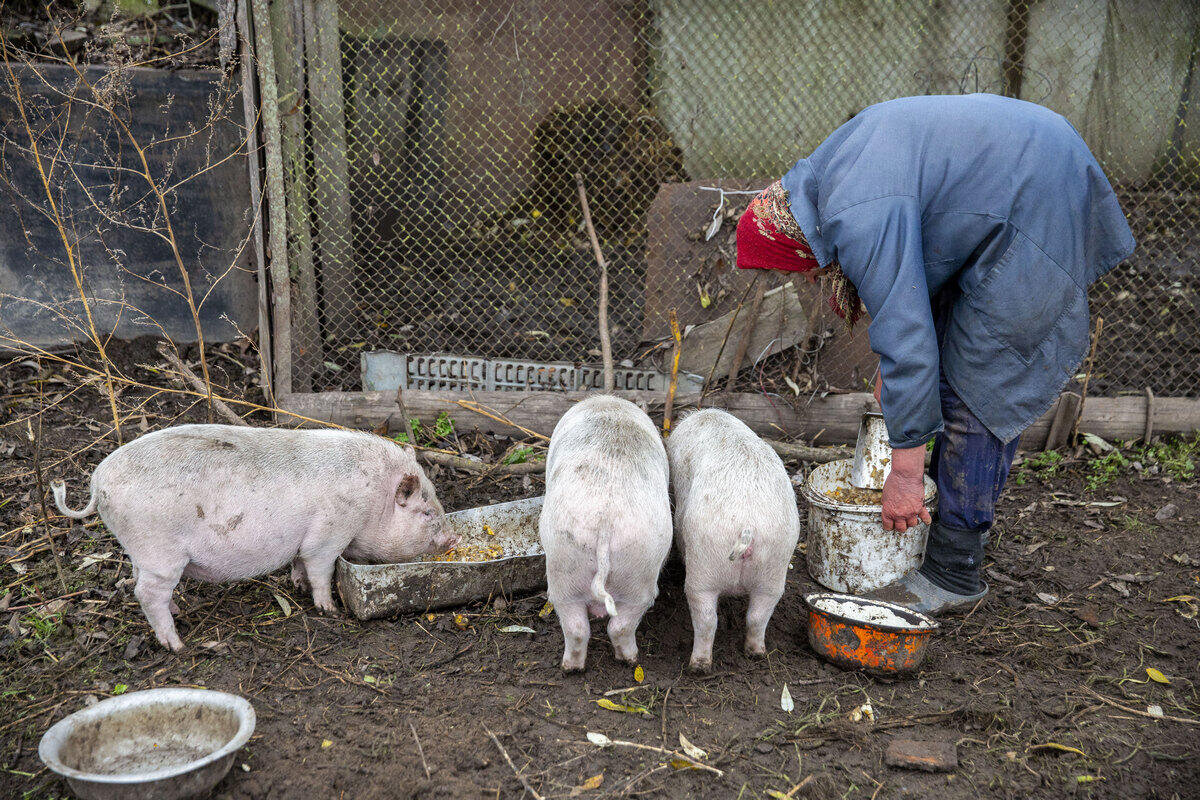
(1044, 688)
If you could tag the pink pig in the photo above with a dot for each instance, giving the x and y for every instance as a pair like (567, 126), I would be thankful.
(224, 503)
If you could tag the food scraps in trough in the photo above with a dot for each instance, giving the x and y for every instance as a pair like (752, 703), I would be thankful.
(855, 496)
(867, 612)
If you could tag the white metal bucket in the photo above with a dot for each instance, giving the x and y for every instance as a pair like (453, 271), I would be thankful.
(848, 550)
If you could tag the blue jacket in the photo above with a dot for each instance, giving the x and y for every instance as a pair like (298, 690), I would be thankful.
(993, 205)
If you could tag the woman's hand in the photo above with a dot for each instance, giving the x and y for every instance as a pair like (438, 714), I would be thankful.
(904, 490)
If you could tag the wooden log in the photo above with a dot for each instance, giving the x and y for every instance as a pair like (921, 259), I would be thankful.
(287, 26)
(829, 420)
(779, 324)
(281, 299)
(331, 195)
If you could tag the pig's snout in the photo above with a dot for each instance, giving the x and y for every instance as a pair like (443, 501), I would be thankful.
(447, 539)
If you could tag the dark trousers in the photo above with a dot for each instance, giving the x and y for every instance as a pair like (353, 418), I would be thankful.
(970, 466)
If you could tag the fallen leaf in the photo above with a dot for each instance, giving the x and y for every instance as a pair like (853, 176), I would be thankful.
(547, 610)
(785, 700)
(326, 743)
(460, 622)
(1062, 748)
(591, 783)
(598, 739)
(1033, 548)
(792, 385)
(1181, 598)
(639, 674)
(1157, 676)
(1120, 588)
(683, 763)
(431, 617)
(1047, 598)
(284, 605)
(120, 688)
(1088, 778)
(691, 749)
(865, 711)
(517, 629)
(1155, 711)
(714, 227)
(777, 795)
(369, 679)
(604, 702)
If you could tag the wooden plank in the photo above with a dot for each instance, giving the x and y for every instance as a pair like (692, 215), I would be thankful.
(281, 298)
(331, 195)
(829, 420)
(780, 323)
(287, 26)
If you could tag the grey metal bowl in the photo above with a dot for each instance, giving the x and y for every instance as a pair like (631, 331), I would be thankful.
(159, 744)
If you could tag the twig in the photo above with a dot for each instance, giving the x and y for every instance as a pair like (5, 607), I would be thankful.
(41, 486)
(1087, 375)
(807, 780)
(739, 355)
(516, 771)
(225, 411)
(491, 413)
(1127, 709)
(674, 384)
(664, 714)
(478, 467)
(605, 341)
(420, 750)
(673, 753)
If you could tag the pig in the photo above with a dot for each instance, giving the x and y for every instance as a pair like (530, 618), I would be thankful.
(736, 524)
(224, 503)
(605, 523)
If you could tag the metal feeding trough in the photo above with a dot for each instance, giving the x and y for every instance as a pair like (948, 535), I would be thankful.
(369, 591)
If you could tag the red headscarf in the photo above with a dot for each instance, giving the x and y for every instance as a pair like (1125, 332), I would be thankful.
(768, 237)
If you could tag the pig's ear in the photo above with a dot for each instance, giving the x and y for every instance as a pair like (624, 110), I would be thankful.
(409, 485)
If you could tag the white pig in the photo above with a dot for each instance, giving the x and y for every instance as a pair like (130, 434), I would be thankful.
(735, 521)
(224, 503)
(605, 524)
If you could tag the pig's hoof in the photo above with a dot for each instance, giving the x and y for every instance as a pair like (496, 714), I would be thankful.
(174, 608)
(571, 669)
(329, 611)
(755, 651)
(700, 666)
(172, 643)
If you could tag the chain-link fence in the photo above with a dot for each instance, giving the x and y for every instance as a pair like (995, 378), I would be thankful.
(430, 152)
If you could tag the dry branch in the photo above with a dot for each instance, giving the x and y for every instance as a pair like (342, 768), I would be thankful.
(516, 771)
(605, 342)
(164, 349)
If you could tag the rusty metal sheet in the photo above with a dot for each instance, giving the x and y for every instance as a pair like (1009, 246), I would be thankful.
(369, 591)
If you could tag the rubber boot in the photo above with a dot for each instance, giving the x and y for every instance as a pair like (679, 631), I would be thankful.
(953, 557)
(948, 581)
